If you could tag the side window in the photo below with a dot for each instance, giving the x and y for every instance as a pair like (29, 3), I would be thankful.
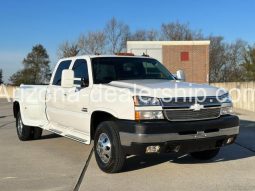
(80, 69)
(62, 66)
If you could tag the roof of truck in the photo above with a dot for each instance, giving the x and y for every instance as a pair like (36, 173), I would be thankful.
(103, 56)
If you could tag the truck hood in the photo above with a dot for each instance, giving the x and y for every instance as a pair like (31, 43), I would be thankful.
(167, 88)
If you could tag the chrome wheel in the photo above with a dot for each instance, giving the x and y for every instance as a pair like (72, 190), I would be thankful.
(20, 126)
(104, 148)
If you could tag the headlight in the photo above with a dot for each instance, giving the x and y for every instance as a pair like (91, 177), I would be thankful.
(147, 115)
(146, 101)
(226, 104)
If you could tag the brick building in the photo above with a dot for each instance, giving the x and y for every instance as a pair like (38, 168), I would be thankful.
(190, 56)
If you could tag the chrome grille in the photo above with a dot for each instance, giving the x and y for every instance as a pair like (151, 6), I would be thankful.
(186, 102)
(191, 115)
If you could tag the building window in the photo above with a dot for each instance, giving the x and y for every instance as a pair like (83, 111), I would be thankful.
(184, 56)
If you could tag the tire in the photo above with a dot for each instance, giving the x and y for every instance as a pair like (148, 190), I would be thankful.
(205, 155)
(23, 131)
(36, 133)
(107, 147)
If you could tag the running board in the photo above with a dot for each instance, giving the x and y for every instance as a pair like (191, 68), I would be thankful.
(76, 138)
(56, 131)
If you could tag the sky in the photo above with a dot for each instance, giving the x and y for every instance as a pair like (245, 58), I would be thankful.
(26, 23)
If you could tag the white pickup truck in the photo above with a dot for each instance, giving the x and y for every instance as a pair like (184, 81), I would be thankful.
(129, 105)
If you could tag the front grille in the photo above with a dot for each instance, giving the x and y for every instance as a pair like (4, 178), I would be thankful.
(186, 102)
(191, 115)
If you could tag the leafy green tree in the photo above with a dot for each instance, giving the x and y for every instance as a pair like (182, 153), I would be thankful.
(36, 68)
(249, 64)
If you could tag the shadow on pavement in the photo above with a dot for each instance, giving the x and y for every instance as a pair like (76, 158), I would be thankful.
(50, 136)
(4, 116)
(243, 148)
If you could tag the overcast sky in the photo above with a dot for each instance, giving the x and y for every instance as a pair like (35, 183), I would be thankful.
(26, 23)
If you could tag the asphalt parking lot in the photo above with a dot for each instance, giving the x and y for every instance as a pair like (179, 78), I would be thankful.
(56, 163)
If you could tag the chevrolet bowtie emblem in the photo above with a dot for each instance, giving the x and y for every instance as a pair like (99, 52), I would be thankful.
(196, 107)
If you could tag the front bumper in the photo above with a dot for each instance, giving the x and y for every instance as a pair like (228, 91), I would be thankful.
(186, 136)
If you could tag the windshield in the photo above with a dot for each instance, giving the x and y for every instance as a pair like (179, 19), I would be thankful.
(107, 69)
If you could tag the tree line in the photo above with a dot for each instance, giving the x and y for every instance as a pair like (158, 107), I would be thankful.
(1, 76)
(229, 62)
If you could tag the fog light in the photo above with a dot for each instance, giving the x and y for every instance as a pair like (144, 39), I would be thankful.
(226, 110)
(230, 140)
(152, 149)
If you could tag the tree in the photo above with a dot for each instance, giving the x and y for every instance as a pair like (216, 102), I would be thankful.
(117, 34)
(176, 31)
(1, 76)
(36, 68)
(217, 58)
(68, 49)
(249, 64)
(152, 35)
(141, 35)
(235, 58)
(92, 43)
(226, 60)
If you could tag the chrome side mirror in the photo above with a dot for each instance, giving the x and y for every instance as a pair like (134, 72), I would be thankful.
(180, 75)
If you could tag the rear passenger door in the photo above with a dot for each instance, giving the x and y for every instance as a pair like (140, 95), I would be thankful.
(77, 105)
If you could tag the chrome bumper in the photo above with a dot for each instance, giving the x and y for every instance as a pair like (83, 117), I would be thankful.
(128, 138)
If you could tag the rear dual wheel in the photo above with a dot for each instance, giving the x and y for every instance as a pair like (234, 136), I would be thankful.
(25, 132)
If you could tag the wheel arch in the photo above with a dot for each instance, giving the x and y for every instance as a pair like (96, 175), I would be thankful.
(97, 117)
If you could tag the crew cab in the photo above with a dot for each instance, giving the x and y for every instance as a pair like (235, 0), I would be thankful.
(129, 105)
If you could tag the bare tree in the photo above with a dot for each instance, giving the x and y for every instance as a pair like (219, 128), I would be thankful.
(226, 60)
(139, 35)
(92, 43)
(217, 59)
(142, 35)
(68, 49)
(152, 35)
(235, 56)
(177, 31)
(249, 64)
(116, 35)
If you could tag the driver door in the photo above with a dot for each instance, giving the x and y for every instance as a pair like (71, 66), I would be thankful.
(77, 99)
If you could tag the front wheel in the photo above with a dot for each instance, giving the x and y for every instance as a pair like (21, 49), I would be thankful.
(108, 151)
(205, 155)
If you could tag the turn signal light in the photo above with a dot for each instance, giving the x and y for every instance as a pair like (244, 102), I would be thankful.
(147, 115)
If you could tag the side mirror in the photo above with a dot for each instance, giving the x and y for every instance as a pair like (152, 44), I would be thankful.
(67, 79)
(180, 75)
